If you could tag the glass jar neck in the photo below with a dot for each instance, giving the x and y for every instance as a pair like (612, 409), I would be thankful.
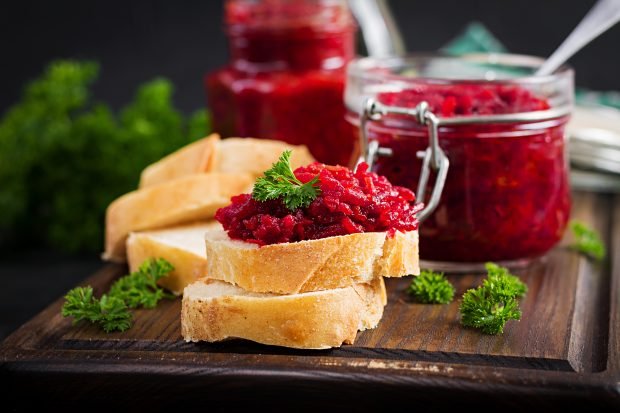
(292, 48)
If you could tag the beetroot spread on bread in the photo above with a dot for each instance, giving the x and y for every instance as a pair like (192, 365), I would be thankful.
(349, 202)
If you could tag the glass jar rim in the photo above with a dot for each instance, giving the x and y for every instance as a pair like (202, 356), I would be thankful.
(360, 67)
(369, 76)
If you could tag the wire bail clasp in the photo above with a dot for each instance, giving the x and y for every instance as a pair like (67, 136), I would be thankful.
(432, 158)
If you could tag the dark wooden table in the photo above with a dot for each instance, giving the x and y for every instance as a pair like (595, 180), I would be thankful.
(565, 352)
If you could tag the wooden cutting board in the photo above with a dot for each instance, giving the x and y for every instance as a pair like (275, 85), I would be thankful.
(564, 352)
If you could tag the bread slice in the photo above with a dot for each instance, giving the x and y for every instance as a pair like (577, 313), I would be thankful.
(232, 155)
(313, 265)
(181, 201)
(255, 156)
(182, 246)
(193, 158)
(215, 310)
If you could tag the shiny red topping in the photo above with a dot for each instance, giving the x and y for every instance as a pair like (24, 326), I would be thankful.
(468, 99)
(349, 202)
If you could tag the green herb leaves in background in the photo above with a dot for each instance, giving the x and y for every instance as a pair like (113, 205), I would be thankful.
(280, 182)
(111, 311)
(431, 288)
(64, 158)
(492, 304)
(587, 241)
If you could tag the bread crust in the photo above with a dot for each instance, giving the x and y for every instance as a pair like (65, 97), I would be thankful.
(181, 201)
(315, 320)
(255, 156)
(182, 246)
(313, 265)
(231, 155)
(193, 158)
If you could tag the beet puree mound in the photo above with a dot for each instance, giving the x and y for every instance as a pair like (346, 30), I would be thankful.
(467, 100)
(349, 202)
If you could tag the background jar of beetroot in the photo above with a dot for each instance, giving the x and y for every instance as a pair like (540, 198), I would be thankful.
(286, 74)
(506, 195)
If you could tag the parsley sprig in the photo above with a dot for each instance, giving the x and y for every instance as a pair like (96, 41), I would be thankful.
(431, 288)
(111, 311)
(140, 289)
(587, 241)
(492, 304)
(280, 182)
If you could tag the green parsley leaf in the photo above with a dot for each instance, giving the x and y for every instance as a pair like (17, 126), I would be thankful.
(501, 283)
(140, 288)
(492, 304)
(587, 241)
(280, 182)
(431, 288)
(111, 311)
(480, 309)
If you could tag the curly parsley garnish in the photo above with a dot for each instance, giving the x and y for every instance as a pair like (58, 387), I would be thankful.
(587, 241)
(492, 304)
(111, 311)
(431, 288)
(280, 182)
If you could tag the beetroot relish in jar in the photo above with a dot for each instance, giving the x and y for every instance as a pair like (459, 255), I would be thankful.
(285, 79)
(349, 202)
(506, 196)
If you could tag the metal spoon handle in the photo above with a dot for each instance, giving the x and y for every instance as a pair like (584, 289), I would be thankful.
(379, 30)
(603, 15)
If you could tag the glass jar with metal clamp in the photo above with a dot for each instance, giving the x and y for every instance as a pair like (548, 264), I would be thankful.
(486, 134)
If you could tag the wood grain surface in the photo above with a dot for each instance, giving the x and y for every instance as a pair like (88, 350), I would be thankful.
(564, 351)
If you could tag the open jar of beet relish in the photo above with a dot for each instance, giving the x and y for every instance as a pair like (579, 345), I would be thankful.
(480, 139)
(286, 75)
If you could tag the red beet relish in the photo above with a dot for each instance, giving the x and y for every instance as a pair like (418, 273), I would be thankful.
(349, 202)
(467, 99)
(507, 194)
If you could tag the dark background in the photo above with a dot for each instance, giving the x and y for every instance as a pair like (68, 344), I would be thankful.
(137, 40)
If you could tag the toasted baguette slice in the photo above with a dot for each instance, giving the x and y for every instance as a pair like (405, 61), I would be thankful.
(233, 155)
(215, 310)
(255, 156)
(193, 158)
(321, 264)
(182, 246)
(181, 201)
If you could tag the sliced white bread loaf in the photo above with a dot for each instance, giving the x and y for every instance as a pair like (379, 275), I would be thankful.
(184, 200)
(232, 155)
(255, 156)
(182, 246)
(313, 265)
(193, 158)
(215, 310)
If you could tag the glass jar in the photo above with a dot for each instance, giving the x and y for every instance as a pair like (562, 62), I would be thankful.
(489, 132)
(285, 79)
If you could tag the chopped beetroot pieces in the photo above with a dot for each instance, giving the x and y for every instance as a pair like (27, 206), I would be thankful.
(349, 202)
(467, 99)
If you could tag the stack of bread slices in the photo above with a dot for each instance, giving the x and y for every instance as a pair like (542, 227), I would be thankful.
(177, 198)
(313, 294)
